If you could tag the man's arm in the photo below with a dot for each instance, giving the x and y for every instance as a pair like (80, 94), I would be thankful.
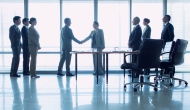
(136, 34)
(102, 38)
(72, 37)
(171, 32)
(87, 38)
(24, 32)
(11, 35)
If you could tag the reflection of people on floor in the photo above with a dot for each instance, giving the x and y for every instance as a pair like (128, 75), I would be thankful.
(17, 102)
(26, 87)
(163, 100)
(30, 95)
(66, 95)
(98, 93)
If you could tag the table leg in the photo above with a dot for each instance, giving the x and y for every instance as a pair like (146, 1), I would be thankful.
(97, 68)
(124, 62)
(76, 65)
(104, 62)
(106, 68)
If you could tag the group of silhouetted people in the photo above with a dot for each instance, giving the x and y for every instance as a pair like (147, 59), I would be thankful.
(30, 43)
(137, 35)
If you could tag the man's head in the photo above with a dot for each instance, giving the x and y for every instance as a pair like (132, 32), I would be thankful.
(25, 21)
(95, 24)
(67, 21)
(17, 20)
(166, 18)
(136, 20)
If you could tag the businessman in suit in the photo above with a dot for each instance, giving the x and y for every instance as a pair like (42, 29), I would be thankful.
(14, 36)
(135, 37)
(26, 53)
(168, 30)
(66, 37)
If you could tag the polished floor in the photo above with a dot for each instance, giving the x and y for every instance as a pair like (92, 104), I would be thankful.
(51, 92)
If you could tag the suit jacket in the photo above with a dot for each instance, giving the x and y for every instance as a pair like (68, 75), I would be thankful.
(168, 33)
(33, 37)
(146, 33)
(24, 32)
(14, 36)
(135, 38)
(99, 39)
(67, 37)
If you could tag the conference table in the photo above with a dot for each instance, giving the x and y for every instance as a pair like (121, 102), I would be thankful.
(105, 59)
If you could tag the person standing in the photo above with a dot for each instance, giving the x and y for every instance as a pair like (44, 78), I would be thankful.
(97, 36)
(168, 30)
(147, 30)
(135, 37)
(15, 36)
(26, 53)
(34, 46)
(146, 35)
(66, 37)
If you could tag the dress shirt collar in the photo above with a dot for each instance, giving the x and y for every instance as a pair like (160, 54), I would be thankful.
(135, 26)
(166, 23)
(26, 26)
(16, 25)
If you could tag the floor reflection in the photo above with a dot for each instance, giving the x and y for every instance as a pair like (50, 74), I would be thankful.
(64, 93)
(17, 101)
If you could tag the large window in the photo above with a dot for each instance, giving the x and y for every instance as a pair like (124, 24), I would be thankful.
(152, 10)
(179, 11)
(8, 9)
(113, 16)
(47, 14)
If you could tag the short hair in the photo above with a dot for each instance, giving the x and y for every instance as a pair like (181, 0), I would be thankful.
(168, 16)
(147, 20)
(16, 18)
(24, 20)
(66, 20)
(96, 23)
(138, 19)
(32, 20)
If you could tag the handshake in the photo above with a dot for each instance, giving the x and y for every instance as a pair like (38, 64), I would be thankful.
(81, 42)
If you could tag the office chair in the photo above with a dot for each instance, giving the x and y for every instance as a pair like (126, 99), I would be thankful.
(148, 57)
(165, 55)
(176, 58)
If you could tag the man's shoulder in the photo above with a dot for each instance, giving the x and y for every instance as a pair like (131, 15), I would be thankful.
(12, 26)
(138, 28)
(23, 28)
(66, 28)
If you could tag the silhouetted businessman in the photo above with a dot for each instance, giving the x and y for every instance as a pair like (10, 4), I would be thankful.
(66, 37)
(168, 30)
(26, 53)
(14, 36)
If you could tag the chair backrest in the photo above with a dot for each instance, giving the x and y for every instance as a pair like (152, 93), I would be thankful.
(168, 48)
(177, 55)
(149, 53)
